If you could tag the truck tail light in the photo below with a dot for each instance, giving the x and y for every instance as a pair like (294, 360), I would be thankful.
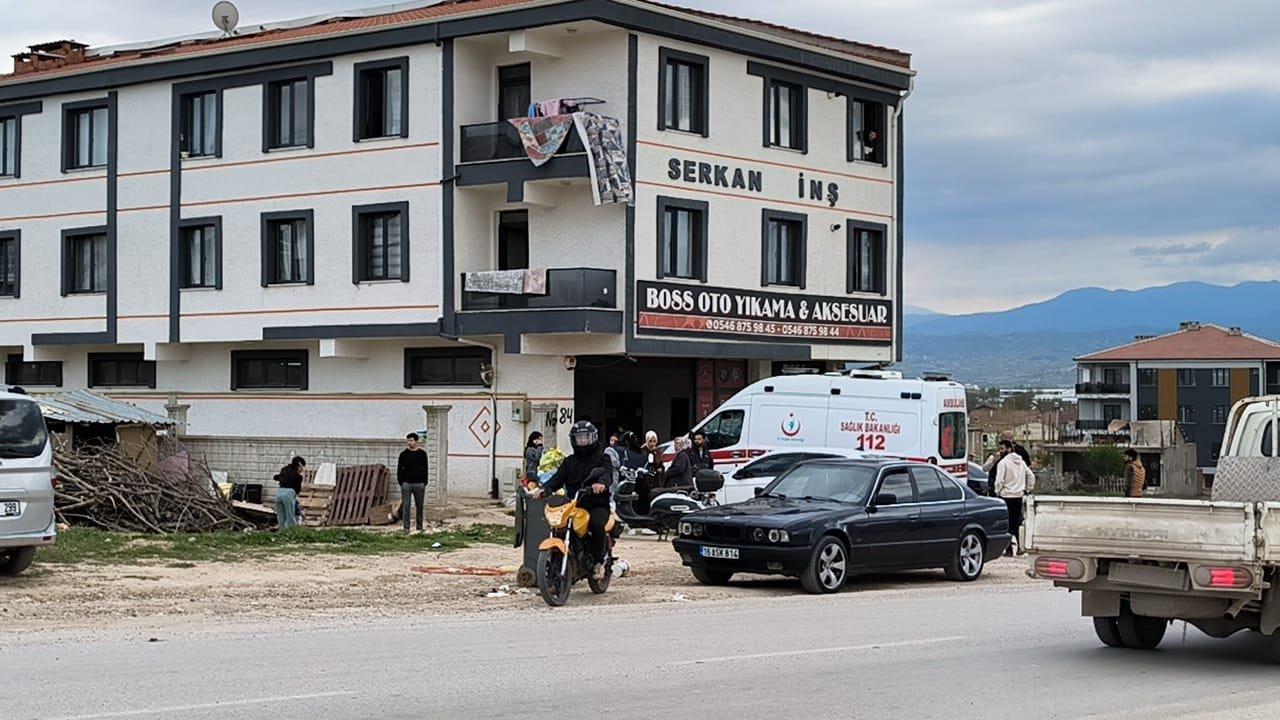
(1226, 578)
(1059, 568)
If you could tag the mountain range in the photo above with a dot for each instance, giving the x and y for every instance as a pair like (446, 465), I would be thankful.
(1033, 345)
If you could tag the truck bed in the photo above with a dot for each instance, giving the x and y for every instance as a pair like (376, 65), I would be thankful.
(1151, 529)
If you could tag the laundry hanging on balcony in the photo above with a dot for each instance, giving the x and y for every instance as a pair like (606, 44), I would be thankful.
(542, 138)
(532, 281)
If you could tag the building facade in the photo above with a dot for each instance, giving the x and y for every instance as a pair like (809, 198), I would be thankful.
(1192, 377)
(268, 235)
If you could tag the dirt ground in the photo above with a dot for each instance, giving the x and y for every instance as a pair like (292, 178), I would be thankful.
(304, 587)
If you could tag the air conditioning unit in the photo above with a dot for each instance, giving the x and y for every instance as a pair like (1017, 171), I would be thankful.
(521, 412)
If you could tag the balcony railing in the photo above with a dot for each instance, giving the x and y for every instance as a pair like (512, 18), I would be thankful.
(1093, 424)
(1094, 431)
(487, 142)
(1102, 388)
(566, 288)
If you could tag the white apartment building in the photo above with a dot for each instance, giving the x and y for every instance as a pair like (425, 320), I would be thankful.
(268, 234)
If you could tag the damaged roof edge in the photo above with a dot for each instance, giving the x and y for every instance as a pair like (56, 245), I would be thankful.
(85, 406)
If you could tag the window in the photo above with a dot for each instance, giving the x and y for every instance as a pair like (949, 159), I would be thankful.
(121, 370)
(514, 95)
(1111, 411)
(444, 366)
(897, 483)
(783, 261)
(1215, 451)
(1219, 414)
(1221, 377)
(268, 369)
(1147, 412)
(866, 131)
(952, 436)
(200, 253)
(10, 256)
(288, 248)
(1187, 414)
(27, 374)
(9, 146)
(85, 135)
(771, 466)
(683, 95)
(1187, 378)
(513, 240)
(682, 239)
(201, 123)
(950, 486)
(1147, 377)
(381, 242)
(382, 99)
(289, 110)
(866, 258)
(1113, 376)
(928, 485)
(84, 261)
(785, 115)
(723, 429)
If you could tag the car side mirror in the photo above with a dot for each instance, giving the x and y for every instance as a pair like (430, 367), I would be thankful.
(886, 499)
(759, 491)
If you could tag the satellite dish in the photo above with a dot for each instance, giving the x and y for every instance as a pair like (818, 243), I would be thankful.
(225, 16)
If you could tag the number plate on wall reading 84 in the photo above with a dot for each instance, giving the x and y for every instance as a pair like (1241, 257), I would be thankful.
(723, 553)
(10, 508)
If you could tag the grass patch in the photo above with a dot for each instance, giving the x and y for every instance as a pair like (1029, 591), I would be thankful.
(86, 545)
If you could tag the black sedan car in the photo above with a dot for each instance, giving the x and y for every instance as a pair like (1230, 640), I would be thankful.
(826, 520)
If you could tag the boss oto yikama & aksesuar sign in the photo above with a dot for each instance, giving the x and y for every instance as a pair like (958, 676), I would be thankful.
(667, 308)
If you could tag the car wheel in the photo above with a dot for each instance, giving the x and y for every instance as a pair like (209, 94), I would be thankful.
(707, 576)
(828, 567)
(1108, 631)
(966, 564)
(17, 560)
(1138, 632)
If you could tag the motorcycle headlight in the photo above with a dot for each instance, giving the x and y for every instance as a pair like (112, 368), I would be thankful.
(758, 534)
(686, 529)
(779, 536)
(697, 530)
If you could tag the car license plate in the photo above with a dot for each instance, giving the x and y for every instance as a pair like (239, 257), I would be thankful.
(721, 553)
(10, 508)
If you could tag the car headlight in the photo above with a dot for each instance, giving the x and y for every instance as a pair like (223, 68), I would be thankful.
(686, 529)
(758, 534)
(697, 530)
(779, 536)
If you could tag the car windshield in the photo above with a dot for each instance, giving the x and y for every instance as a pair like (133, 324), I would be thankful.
(22, 433)
(821, 481)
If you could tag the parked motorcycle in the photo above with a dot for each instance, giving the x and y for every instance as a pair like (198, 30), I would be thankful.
(669, 505)
(565, 557)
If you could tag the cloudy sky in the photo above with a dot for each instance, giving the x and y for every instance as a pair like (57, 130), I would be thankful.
(1051, 144)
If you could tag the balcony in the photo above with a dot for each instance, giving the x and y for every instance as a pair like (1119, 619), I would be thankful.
(1093, 425)
(567, 288)
(497, 141)
(1092, 432)
(1102, 388)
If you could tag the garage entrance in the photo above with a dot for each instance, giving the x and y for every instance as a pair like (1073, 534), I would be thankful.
(666, 395)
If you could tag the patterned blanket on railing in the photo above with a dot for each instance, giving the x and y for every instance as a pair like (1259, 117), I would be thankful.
(606, 158)
(542, 136)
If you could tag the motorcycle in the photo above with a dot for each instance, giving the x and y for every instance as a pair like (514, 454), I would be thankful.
(669, 505)
(564, 558)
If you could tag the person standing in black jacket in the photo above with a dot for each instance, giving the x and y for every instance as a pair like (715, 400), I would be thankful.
(290, 484)
(411, 473)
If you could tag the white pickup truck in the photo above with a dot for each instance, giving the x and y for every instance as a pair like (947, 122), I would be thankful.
(1141, 563)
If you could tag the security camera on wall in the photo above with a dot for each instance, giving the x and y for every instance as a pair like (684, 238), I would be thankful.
(570, 363)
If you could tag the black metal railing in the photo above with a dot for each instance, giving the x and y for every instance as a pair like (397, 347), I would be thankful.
(1102, 388)
(486, 142)
(566, 288)
(1093, 424)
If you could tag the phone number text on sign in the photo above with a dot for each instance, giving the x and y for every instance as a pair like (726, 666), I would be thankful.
(755, 327)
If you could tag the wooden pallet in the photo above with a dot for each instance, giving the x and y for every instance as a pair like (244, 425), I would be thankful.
(358, 489)
(316, 501)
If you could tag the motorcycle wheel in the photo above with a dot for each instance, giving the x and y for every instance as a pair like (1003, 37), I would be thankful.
(600, 587)
(552, 584)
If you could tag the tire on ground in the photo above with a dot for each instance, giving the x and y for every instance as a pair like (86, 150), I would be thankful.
(828, 567)
(1138, 632)
(1108, 631)
(17, 560)
(708, 576)
(968, 559)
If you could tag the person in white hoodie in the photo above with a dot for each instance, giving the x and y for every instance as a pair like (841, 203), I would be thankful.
(1013, 480)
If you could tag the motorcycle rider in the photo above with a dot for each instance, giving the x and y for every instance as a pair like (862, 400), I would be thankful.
(573, 475)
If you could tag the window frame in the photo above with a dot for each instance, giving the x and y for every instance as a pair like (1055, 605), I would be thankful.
(770, 216)
(1190, 413)
(1188, 373)
(359, 258)
(147, 367)
(68, 259)
(853, 258)
(361, 104)
(1225, 374)
(13, 365)
(411, 354)
(713, 436)
(800, 121)
(184, 255)
(268, 247)
(1218, 415)
(851, 141)
(14, 236)
(185, 117)
(1148, 377)
(889, 472)
(959, 422)
(919, 474)
(701, 244)
(271, 114)
(17, 145)
(301, 356)
(700, 112)
(72, 110)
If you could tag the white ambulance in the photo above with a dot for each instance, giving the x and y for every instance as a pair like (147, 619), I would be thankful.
(872, 411)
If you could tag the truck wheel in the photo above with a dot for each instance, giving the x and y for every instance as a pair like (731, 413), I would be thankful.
(1108, 632)
(707, 576)
(1138, 632)
(17, 560)
(966, 564)
(828, 567)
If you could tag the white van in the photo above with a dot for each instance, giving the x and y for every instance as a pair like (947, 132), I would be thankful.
(26, 482)
(869, 411)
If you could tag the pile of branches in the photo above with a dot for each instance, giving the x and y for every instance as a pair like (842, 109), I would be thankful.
(104, 488)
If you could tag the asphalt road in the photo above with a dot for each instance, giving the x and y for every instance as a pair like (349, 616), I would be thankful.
(966, 652)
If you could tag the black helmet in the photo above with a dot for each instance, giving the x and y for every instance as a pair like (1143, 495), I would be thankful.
(584, 438)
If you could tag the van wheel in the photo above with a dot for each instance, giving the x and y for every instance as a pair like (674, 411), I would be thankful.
(17, 560)
(966, 564)
(1107, 631)
(1139, 632)
(707, 576)
(828, 567)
